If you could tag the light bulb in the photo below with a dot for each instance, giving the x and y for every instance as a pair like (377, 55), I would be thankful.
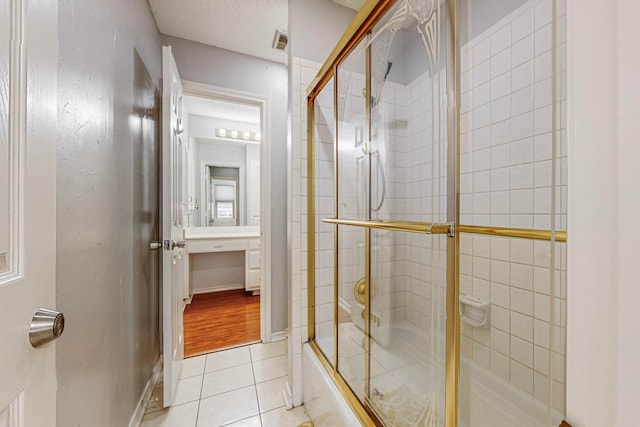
(234, 134)
(246, 135)
(222, 132)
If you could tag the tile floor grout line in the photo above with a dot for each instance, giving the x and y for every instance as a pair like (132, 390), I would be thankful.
(235, 366)
(269, 357)
(200, 396)
(227, 391)
(234, 422)
(255, 386)
(272, 379)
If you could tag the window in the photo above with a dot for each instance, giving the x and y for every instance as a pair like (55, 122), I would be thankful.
(224, 203)
(224, 209)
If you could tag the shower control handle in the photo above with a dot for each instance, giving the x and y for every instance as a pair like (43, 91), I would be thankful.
(359, 291)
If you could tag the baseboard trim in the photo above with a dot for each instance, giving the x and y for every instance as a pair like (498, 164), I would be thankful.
(279, 336)
(138, 414)
(217, 289)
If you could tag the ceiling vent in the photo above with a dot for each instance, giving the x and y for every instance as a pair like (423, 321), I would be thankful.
(280, 40)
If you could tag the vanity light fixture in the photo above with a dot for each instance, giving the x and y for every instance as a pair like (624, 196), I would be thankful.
(238, 134)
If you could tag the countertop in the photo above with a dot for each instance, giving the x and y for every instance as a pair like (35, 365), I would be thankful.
(239, 232)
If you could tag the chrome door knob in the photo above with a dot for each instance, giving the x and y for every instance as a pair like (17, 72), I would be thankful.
(46, 326)
(155, 245)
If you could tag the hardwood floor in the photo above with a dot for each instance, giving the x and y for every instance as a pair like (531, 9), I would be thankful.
(220, 320)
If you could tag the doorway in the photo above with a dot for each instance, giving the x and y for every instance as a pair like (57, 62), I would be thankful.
(225, 172)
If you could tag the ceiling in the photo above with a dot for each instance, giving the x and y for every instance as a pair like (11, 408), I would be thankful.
(351, 4)
(245, 26)
(222, 109)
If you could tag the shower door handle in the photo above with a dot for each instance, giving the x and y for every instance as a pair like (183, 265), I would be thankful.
(178, 244)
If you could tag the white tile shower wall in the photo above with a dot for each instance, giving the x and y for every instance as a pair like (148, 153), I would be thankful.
(416, 193)
(302, 72)
(388, 175)
(324, 207)
(390, 258)
(506, 180)
(351, 106)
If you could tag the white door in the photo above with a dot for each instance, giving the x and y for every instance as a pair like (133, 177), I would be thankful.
(173, 252)
(28, 38)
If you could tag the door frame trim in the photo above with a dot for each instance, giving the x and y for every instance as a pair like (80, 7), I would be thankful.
(205, 90)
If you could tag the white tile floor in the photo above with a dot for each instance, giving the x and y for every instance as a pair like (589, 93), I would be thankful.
(240, 387)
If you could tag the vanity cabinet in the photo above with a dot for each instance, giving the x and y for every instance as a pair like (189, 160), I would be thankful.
(216, 245)
(252, 266)
(223, 240)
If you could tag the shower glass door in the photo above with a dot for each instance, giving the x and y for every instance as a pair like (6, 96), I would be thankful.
(323, 261)
(390, 220)
(437, 192)
(352, 172)
(407, 176)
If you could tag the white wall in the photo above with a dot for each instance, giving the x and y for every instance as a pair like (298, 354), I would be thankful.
(211, 65)
(315, 26)
(603, 379)
(107, 209)
(227, 153)
(217, 271)
(628, 230)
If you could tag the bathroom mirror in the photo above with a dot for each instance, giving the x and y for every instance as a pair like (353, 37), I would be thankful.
(223, 166)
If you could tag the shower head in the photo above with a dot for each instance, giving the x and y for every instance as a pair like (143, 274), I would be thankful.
(389, 64)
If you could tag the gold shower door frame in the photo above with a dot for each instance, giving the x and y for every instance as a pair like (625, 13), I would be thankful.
(367, 17)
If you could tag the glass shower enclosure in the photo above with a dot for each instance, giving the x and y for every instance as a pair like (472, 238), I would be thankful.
(436, 204)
